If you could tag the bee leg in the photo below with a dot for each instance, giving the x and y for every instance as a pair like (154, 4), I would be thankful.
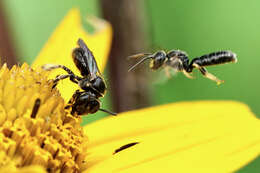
(167, 71)
(208, 75)
(50, 67)
(61, 77)
(187, 74)
(71, 101)
(74, 96)
(58, 78)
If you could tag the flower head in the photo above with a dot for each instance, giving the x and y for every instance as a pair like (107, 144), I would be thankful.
(35, 129)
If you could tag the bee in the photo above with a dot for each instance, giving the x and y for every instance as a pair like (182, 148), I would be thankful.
(92, 83)
(179, 61)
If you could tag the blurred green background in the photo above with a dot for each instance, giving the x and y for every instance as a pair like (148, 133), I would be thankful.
(198, 27)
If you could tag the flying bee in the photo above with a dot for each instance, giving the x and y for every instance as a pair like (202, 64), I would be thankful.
(178, 60)
(91, 82)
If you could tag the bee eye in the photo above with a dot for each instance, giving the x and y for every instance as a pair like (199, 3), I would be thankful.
(99, 85)
(158, 61)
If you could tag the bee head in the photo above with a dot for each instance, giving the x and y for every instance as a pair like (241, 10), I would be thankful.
(158, 60)
(85, 103)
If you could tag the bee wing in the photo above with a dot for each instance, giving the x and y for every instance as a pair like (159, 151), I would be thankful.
(89, 59)
(162, 76)
(170, 70)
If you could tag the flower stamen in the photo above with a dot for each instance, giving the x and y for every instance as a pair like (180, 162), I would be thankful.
(35, 128)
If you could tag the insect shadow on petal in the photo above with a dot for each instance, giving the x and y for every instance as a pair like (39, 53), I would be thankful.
(124, 147)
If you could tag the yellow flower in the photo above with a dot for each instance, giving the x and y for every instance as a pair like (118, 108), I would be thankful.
(204, 136)
(35, 129)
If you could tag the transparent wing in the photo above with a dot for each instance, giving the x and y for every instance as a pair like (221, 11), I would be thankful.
(160, 77)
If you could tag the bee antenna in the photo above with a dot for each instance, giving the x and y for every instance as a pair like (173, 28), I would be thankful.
(104, 110)
(139, 55)
(140, 62)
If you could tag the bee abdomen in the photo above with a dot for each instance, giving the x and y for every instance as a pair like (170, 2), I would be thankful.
(215, 58)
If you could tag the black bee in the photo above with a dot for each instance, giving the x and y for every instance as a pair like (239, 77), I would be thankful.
(91, 82)
(179, 61)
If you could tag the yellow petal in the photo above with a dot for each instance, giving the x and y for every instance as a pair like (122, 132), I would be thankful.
(206, 136)
(59, 47)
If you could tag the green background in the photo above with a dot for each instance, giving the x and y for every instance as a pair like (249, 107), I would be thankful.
(201, 27)
(198, 27)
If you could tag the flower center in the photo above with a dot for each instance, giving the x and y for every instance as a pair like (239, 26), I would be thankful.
(35, 128)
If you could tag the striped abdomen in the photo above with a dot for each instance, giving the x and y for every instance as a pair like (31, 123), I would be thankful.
(215, 58)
